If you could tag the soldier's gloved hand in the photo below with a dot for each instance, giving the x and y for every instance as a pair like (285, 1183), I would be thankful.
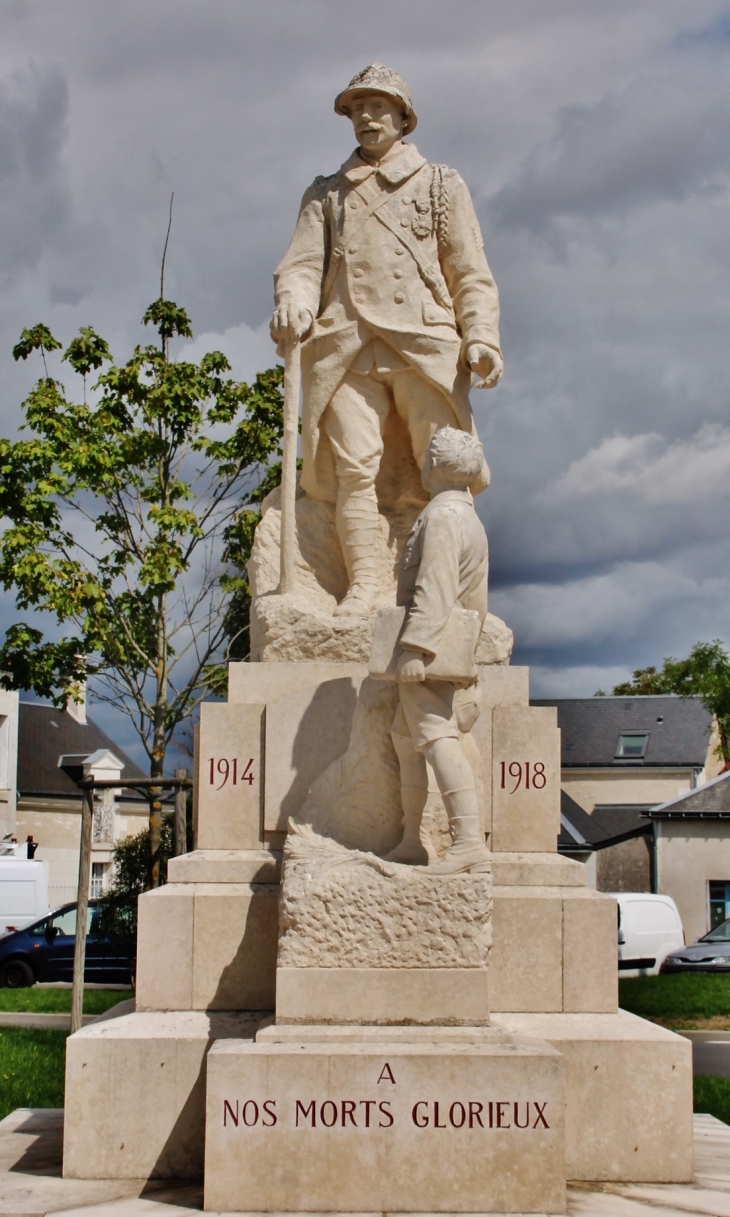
(290, 323)
(410, 668)
(486, 363)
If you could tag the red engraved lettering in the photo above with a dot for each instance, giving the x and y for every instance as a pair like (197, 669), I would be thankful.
(491, 1115)
(475, 1113)
(328, 1123)
(436, 1116)
(348, 1112)
(386, 1074)
(499, 1107)
(452, 1117)
(255, 1113)
(517, 1116)
(384, 1109)
(269, 1110)
(228, 1111)
(419, 1119)
(539, 1117)
(310, 1111)
(367, 1104)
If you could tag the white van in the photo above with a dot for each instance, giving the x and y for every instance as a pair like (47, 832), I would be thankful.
(649, 929)
(23, 892)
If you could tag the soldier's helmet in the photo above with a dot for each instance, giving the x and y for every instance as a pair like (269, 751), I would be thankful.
(376, 78)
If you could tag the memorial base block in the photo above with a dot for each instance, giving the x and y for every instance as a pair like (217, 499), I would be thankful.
(385, 1124)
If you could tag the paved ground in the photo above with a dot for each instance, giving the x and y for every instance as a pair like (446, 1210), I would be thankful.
(710, 1052)
(31, 1183)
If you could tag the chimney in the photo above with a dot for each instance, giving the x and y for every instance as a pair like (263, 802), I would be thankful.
(77, 709)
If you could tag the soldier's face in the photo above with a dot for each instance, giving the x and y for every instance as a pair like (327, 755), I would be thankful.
(378, 121)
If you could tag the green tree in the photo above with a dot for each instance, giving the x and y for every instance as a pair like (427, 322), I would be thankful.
(128, 517)
(705, 673)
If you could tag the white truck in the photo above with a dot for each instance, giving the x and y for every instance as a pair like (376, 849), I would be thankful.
(23, 888)
(649, 929)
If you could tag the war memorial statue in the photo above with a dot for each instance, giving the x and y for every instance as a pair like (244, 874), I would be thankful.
(381, 873)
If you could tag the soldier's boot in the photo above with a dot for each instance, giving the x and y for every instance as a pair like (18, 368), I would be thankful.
(411, 849)
(358, 527)
(468, 851)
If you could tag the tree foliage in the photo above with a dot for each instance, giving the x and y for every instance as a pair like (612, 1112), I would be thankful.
(129, 519)
(130, 878)
(705, 673)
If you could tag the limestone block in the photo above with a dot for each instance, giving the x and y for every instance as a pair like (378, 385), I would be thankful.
(307, 730)
(226, 866)
(537, 870)
(165, 972)
(229, 776)
(590, 969)
(525, 779)
(219, 947)
(135, 1094)
(628, 1090)
(373, 1127)
(265, 682)
(526, 960)
(426, 996)
(499, 686)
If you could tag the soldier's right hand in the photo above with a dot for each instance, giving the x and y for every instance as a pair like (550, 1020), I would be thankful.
(290, 323)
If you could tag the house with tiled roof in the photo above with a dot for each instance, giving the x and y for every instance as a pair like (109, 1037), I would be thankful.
(49, 750)
(691, 836)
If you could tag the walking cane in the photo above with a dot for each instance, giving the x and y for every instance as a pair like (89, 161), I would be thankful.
(292, 384)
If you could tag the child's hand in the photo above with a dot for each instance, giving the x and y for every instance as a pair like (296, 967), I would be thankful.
(411, 668)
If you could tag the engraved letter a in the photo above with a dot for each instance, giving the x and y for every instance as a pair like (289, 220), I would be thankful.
(386, 1074)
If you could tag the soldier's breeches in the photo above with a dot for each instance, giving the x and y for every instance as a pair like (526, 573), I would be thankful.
(355, 419)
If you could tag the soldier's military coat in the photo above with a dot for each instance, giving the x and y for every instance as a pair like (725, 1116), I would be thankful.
(392, 252)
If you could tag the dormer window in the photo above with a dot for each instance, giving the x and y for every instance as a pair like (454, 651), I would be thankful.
(632, 747)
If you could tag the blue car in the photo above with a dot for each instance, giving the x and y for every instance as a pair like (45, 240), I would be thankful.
(44, 951)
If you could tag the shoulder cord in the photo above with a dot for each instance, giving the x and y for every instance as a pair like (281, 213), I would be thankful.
(440, 204)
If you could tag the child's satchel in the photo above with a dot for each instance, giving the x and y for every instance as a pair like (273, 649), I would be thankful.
(454, 660)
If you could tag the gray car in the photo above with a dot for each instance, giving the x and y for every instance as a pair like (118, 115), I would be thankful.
(708, 954)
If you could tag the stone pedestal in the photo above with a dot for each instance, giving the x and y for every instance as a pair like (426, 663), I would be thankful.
(375, 945)
(385, 1125)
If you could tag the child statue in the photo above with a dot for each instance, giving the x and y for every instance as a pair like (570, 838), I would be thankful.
(444, 564)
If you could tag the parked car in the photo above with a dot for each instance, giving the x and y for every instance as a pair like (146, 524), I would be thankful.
(649, 929)
(45, 951)
(23, 891)
(711, 953)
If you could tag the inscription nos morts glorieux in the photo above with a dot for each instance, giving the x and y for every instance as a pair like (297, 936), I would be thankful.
(372, 1113)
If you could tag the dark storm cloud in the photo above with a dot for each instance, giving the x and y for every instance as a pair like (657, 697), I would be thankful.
(596, 141)
(660, 139)
(34, 202)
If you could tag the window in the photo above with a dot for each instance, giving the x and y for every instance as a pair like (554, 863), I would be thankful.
(97, 880)
(719, 901)
(632, 747)
(65, 922)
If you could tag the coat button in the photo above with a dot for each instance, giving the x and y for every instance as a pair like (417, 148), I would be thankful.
(352, 249)
(399, 297)
(397, 274)
(353, 206)
(357, 273)
(398, 252)
(404, 223)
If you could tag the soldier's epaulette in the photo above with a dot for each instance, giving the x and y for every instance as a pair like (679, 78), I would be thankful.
(323, 178)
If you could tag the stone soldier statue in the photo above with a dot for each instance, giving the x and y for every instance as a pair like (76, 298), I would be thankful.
(386, 281)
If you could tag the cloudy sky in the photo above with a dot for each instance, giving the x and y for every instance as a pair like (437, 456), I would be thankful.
(595, 138)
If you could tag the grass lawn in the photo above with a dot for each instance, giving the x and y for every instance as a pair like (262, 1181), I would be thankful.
(31, 1068)
(58, 1001)
(684, 1000)
(712, 1095)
